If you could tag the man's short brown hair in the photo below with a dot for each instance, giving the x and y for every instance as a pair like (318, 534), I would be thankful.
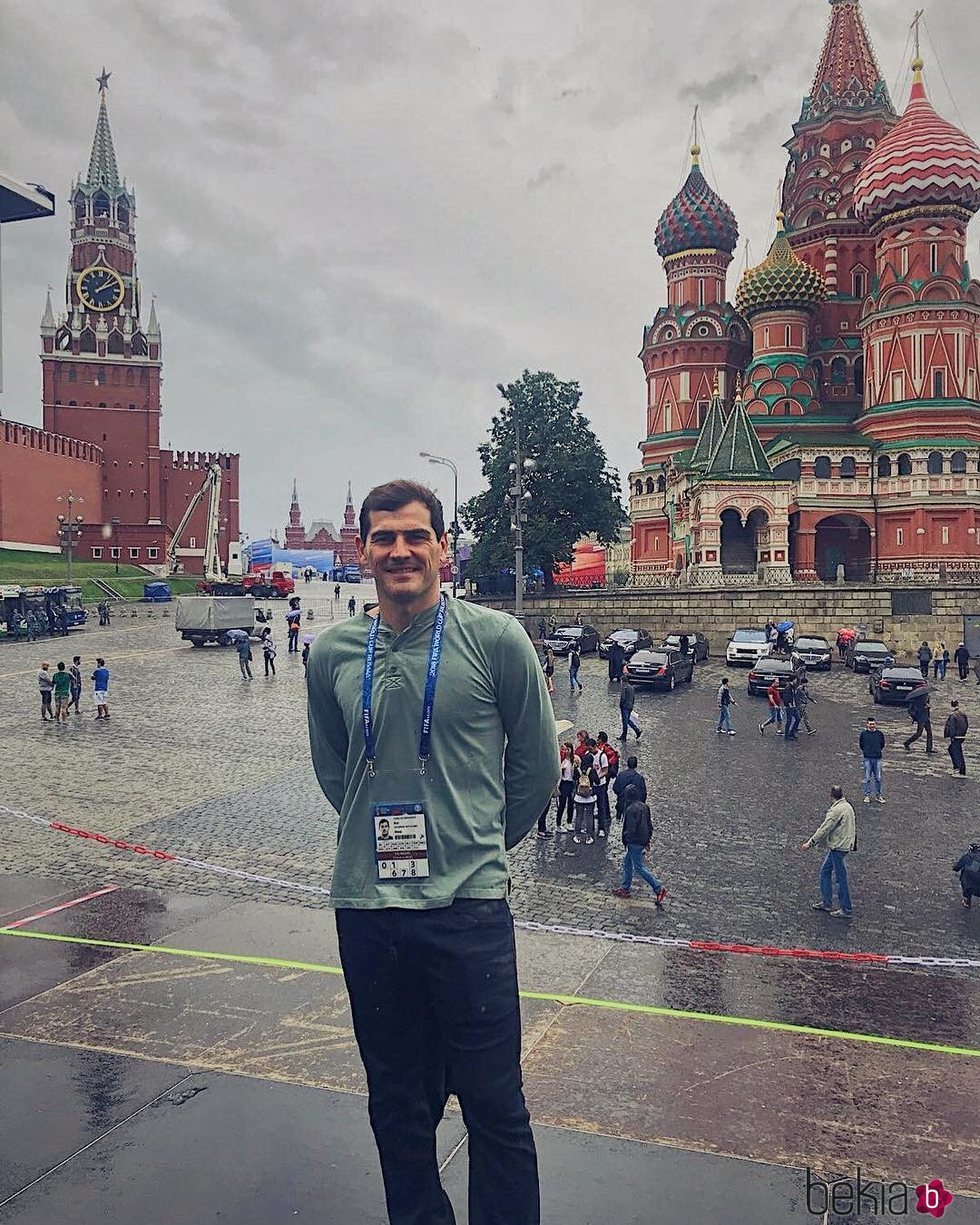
(393, 496)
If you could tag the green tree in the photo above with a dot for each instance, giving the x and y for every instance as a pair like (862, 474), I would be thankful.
(573, 491)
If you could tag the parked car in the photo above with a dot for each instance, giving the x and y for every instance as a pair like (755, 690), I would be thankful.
(892, 686)
(697, 643)
(563, 637)
(868, 655)
(813, 653)
(630, 640)
(768, 670)
(661, 669)
(747, 646)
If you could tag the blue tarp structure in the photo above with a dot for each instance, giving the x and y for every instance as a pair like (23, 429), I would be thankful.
(261, 554)
(157, 593)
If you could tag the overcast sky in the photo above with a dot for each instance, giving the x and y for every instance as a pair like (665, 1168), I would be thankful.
(358, 217)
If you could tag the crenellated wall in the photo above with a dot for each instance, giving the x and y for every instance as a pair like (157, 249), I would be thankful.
(35, 468)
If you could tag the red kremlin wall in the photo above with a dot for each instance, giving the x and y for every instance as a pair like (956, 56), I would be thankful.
(35, 469)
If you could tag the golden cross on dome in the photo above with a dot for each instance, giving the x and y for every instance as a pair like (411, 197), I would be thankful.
(916, 24)
(103, 80)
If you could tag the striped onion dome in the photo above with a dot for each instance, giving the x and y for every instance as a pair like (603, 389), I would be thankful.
(781, 282)
(924, 160)
(697, 219)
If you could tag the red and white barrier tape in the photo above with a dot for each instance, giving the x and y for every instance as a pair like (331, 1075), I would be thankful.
(710, 946)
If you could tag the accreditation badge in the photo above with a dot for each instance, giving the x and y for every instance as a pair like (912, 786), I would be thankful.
(400, 847)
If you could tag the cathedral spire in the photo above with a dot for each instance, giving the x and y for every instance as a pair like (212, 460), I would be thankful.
(739, 453)
(103, 170)
(848, 77)
(711, 430)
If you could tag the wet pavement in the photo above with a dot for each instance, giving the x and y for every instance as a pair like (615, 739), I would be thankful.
(118, 1066)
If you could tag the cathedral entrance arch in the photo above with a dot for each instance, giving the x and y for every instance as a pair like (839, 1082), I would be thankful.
(738, 542)
(843, 540)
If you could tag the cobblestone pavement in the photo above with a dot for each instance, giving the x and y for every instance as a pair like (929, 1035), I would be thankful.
(200, 763)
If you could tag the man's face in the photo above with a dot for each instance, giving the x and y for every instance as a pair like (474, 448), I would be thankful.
(404, 552)
(872, 725)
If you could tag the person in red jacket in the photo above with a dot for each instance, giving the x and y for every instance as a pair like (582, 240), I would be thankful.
(775, 707)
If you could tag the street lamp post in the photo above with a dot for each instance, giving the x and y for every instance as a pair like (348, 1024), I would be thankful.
(517, 502)
(69, 529)
(115, 542)
(454, 529)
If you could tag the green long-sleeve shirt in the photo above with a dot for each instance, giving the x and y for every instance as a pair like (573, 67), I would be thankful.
(494, 762)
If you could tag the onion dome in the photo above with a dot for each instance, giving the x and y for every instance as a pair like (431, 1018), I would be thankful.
(781, 282)
(697, 219)
(923, 161)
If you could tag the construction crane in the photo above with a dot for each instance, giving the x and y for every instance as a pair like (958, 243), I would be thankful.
(211, 487)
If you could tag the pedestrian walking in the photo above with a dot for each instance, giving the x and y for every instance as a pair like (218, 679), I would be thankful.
(586, 786)
(244, 648)
(76, 683)
(804, 700)
(725, 703)
(100, 687)
(552, 624)
(920, 711)
(351, 607)
(775, 707)
(566, 786)
(937, 660)
(968, 866)
(45, 685)
(542, 629)
(637, 836)
(604, 757)
(269, 652)
(336, 591)
(838, 834)
(976, 668)
(872, 745)
(945, 663)
(630, 777)
(62, 692)
(962, 658)
(924, 654)
(627, 702)
(791, 707)
(294, 619)
(427, 944)
(957, 725)
(574, 663)
(306, 659)
(549, 669)
(617, 657)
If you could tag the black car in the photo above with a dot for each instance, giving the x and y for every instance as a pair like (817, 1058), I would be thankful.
(766, 671)
(561, 639)
(868, 655)
(630, 640)
(892, 686)
(661, 669)
(696, 643)
(813, 653)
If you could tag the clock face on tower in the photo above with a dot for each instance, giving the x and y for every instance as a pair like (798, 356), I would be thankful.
(100, 288)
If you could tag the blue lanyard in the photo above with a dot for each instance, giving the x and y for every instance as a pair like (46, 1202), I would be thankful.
(428, 701)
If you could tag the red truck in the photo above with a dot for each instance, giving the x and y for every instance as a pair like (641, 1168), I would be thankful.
(263, 584)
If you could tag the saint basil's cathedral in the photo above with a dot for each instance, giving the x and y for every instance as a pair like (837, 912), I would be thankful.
(828, 422)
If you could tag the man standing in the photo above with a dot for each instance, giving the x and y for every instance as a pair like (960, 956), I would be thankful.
(920, 710)
(244, 648)
(775, 707)
(627, 701)
(925, 657)
(957, 725)
(725, 702)
(838, 835)
(601, 755)
(100, 684)
(637, 836)
(45, 685)
(617, 657)
(968, 866)
(62, 693)
(872, 745)
(401, 706)
(351, 607)
(962, 657)
(574, 664)
(630, 777)
(293, 619)
(804, 698)
(76, 683)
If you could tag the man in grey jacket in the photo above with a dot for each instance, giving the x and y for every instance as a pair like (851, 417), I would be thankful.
(838, 835)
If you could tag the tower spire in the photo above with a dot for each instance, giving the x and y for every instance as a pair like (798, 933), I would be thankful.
(848, 77)
(103, 169)
(295, 493)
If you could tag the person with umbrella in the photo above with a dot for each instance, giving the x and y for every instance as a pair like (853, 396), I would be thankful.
(239, 639)
(920, 711)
